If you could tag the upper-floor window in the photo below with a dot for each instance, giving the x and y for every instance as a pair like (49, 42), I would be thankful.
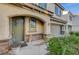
(32, 24)
(57, 11)
(43, 5)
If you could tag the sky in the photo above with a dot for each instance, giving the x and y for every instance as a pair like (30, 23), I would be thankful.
(73, 7)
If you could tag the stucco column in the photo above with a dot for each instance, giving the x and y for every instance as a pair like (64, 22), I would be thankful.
(28, 36)
(4, 28)
(47, 29)
(4, 34)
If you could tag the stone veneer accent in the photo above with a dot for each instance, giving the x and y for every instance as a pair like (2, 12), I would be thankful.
(4, 46)
(33, 37)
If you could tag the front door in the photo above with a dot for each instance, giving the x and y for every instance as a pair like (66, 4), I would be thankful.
(17, 29)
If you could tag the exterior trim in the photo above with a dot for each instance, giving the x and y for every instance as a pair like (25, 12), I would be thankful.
(58, 20)
(22, 5)
(59, 5)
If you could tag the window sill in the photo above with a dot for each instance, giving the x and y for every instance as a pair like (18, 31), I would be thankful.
(31, 31)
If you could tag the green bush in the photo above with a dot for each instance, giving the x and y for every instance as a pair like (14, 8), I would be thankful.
(64, 45)
(77, 33)
(71, 33)
(74, 33)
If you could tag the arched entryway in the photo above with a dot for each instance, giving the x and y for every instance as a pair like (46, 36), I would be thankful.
(34, 29)
(26, 29)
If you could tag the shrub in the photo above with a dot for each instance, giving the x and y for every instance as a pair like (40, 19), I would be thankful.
(77, 33)
(63, 45)
(71, 33)
(74, 33)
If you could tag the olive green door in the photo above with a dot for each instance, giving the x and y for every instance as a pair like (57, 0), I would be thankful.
(17, 29)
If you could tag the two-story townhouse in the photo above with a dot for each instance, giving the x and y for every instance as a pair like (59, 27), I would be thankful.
(29, 22)
(22, 22)
(57, 23)
(68, 16)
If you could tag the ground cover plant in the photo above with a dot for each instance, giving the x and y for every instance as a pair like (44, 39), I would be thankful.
(67, 45)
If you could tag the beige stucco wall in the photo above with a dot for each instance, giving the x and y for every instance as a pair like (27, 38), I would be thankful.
(39, 27)
(7, 11)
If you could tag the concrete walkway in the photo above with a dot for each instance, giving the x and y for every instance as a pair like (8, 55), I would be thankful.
(33, 48)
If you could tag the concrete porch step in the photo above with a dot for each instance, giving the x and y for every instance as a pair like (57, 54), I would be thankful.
(36, 43)
(37, 47)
